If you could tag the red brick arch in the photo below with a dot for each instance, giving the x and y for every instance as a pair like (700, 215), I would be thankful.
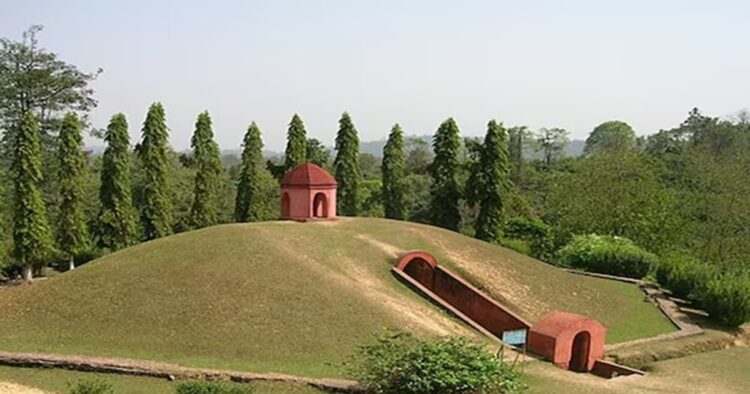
(570, 341)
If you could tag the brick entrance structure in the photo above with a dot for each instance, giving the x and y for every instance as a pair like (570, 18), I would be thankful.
(308, 192)
(570, 341)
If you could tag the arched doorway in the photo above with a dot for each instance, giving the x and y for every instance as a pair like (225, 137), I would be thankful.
(320, 206)
(285, 203)
(579, 355)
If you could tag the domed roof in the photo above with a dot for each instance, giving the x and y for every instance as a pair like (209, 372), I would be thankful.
(308, 174)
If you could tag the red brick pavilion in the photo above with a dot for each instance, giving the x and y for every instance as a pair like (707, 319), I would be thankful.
(308, 192)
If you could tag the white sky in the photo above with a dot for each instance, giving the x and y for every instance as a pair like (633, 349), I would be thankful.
(570, 64)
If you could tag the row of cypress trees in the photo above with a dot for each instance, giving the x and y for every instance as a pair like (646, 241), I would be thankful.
(117, 225)
(487, 187)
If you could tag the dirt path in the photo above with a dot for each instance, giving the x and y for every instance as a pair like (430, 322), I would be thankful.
(157, 370)
(13, 388)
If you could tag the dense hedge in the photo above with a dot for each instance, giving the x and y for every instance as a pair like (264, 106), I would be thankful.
(400, 363)
(607, 255)
(201, 387)
(727, 298)
(536, 233)
(91, 387)
(684, 275)
(724, 295)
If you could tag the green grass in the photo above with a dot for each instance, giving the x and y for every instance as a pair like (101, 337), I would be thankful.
(721, 371)
(287, 297)
(58, 381)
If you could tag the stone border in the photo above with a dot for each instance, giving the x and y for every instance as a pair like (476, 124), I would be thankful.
(162, 370)
(685, 325)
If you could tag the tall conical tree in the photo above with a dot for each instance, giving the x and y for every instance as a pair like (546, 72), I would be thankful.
(156, 211)
(248, 191)
(207, 161)
(494, 179)
(347, 167)
(296, 144)
(116, 226)
(444, 170)
(32, 238)
(72, 233)
(393, 175)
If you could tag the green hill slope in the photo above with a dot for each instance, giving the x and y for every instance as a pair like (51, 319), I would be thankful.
(286, 297)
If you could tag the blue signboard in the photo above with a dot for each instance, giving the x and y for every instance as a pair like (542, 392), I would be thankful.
(515, 337)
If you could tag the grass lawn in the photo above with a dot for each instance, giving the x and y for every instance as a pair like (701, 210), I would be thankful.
(58, 380)
(287, 297)
(721, 371)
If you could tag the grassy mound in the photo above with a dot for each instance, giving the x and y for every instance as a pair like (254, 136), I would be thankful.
(286, 297)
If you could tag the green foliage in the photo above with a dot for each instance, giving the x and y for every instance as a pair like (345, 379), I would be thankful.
(727, 298)
(296, 144)
(551, 142)
(371, 193)
(252, 178)
(612, 193)
(37, 81)
(493, 182)
(394, 187)
(610, 136)
(400, 363)
(445, 191)
(207, 162)
(72, 232)
(537, 233)
(318, 154)
(116, 227)
(94, 386)
(684, 275)
(32, 239)
(347, 167)
(156, 207)
(607, 255)
(203, 387)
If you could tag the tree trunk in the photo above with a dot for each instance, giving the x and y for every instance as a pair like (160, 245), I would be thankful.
(71, 263)
(27, 274)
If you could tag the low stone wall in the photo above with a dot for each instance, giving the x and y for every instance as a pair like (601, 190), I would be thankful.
(163, 370)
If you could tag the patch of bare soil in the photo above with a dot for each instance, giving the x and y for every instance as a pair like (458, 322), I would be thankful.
(389, 249)
(14, 388)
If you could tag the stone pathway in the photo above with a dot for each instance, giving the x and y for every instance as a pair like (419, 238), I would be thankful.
(162, 370)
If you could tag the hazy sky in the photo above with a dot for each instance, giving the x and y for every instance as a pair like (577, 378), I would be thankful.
(570, 64)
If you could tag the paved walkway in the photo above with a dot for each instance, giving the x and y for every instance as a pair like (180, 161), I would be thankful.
(162, 370)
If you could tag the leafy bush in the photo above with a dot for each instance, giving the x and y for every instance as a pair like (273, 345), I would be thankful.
(536, 232)
(91, 387)
(400, 363)
(201, 387)
(607, 255)
(684, 275)
(517, 245)
(727, 298)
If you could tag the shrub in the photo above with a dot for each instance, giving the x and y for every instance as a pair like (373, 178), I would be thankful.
(684, 275)
(517, 245)
(202, 387)
(727, 298)
(400, 363)
(536, 232)
(91, 387)
(607, 255)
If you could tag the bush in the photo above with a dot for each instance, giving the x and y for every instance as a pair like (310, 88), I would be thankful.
(400, 363)
(607, 255)
(684, 275)
(727, 298)
(91, 387)
(517, 245)
(537, 233)
(202, 387)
